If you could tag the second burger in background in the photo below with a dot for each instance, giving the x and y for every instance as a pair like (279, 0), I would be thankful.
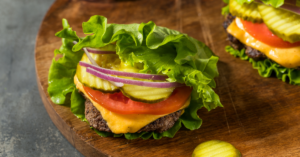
(267, 34)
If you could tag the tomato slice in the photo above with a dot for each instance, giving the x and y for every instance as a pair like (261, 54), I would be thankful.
(119, 103)
(261, 32)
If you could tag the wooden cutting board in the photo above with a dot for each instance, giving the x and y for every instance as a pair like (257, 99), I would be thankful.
(261, 116)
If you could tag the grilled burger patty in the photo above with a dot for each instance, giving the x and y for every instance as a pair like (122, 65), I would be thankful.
(160, 125)
(236, 44)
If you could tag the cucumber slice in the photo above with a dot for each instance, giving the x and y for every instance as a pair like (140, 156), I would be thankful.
(216, 148)
(246, 11)
(108, 61)
(282, 23)
(146, 94)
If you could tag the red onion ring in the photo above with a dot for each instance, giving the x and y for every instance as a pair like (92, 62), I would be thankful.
(291, 8)
(98, 51)
(90, 57)
(291, 2)
(132, 82)
(122, 73)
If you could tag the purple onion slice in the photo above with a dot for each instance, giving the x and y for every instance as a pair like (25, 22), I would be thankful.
(122, 73)
(132, 82)
(96, 51)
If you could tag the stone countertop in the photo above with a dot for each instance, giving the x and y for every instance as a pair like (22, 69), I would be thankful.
(25, 127)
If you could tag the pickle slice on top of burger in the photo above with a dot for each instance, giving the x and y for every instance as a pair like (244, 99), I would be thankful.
(267, 34)
(136, 80)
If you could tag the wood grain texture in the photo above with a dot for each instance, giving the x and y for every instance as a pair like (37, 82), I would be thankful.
(261, 116)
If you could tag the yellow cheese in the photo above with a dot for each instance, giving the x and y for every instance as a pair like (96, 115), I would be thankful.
(123, 123)
(287, 57)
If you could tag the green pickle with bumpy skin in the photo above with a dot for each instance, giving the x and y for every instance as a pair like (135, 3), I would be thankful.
(146, 94)
(282, 23)
(245, 11)
(216, 148)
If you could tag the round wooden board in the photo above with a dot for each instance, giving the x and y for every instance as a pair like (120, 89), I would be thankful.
(260, 117)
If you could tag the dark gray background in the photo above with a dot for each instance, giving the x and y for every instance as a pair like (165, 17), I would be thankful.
(25, 127)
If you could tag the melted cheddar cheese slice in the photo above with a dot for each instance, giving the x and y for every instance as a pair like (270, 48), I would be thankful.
(287, 57)
(123, 123)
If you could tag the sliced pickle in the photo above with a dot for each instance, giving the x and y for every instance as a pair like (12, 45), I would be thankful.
(108, 61)
(216, 148)
(140, 93)
(246, 11)
(146, 94)
(282, 23)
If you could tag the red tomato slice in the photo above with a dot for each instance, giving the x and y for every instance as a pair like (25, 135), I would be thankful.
(119, 103)
(261, 32)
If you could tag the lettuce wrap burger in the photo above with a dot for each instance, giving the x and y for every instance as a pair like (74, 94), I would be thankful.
(136, 80)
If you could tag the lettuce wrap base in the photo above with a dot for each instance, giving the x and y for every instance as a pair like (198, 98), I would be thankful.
(267, 67)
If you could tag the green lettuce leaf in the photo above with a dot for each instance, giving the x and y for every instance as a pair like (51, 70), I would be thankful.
(182, 58)
(267, 67)
(77, 105)
(61, 74)
(225, 10)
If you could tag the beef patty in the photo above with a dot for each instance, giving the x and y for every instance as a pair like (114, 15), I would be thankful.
(160, 125)
(236, 44)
